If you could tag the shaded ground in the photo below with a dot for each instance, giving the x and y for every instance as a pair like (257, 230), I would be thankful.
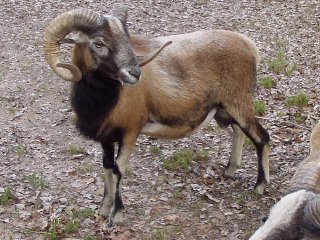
(54, 173)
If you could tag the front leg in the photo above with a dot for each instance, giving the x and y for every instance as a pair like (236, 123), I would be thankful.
(108, 165)
(126, 147)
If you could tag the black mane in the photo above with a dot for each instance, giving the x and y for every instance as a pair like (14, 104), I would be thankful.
(92, 98)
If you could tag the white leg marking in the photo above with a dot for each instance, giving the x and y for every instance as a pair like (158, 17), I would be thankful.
(109, 191)
(236, 151)
(265, 162)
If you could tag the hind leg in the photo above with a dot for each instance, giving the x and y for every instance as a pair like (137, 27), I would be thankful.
(260, 137)
(224, 120)
(243, 116)
(236, 151)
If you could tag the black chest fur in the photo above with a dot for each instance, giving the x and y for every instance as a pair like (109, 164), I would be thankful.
(92, 99)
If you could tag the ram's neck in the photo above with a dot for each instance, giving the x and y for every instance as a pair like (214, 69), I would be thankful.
(92, 99)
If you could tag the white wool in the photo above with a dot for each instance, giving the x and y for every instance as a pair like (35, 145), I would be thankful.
(282, 214)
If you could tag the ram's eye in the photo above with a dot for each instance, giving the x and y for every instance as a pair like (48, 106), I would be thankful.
(264, 218)
(99, 44)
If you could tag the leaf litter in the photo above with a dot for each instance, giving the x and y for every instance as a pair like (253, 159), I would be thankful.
(197, 203)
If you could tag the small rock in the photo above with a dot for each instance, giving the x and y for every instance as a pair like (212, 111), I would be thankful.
(228, 213)
(25, 215)
(63, 200)
(20, 206)
(171, 217)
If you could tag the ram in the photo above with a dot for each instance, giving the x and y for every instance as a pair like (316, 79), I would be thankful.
(297, 214)
(199, 76)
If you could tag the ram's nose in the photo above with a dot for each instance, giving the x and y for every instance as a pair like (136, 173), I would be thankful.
(135, 71)
(130, 76)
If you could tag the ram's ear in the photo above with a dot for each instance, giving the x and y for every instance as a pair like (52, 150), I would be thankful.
(121, 12)
(78, 38)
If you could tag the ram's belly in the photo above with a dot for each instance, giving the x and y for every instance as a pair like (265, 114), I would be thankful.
(158, 130)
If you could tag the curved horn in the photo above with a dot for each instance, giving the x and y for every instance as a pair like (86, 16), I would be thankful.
(315, 139)
(307, 175)
(143, 60)
(311, 218)
(76, 20)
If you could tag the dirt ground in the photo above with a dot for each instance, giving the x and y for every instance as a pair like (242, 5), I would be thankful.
(55, 175)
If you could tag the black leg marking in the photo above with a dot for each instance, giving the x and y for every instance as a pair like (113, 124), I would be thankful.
(260, 137)
(118, 204)
(263, 175)
(126, 146)
(118, 200)
(108, 154)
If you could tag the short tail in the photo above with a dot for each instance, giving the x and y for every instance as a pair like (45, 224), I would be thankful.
(254, 49)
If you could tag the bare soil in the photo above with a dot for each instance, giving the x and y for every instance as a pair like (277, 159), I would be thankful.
(52, 170)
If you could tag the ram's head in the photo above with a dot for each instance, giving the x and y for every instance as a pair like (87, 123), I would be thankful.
(104, 42)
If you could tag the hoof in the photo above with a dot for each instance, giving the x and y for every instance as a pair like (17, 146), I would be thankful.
(229, 172)
(259, 189)
(117, 219)
(104, 212)
(110, 223)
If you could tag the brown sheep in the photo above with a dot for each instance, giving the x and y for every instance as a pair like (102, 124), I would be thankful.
(199, 76)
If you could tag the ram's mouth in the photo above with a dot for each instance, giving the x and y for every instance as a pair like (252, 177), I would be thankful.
(123, 80)
(126, 82)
